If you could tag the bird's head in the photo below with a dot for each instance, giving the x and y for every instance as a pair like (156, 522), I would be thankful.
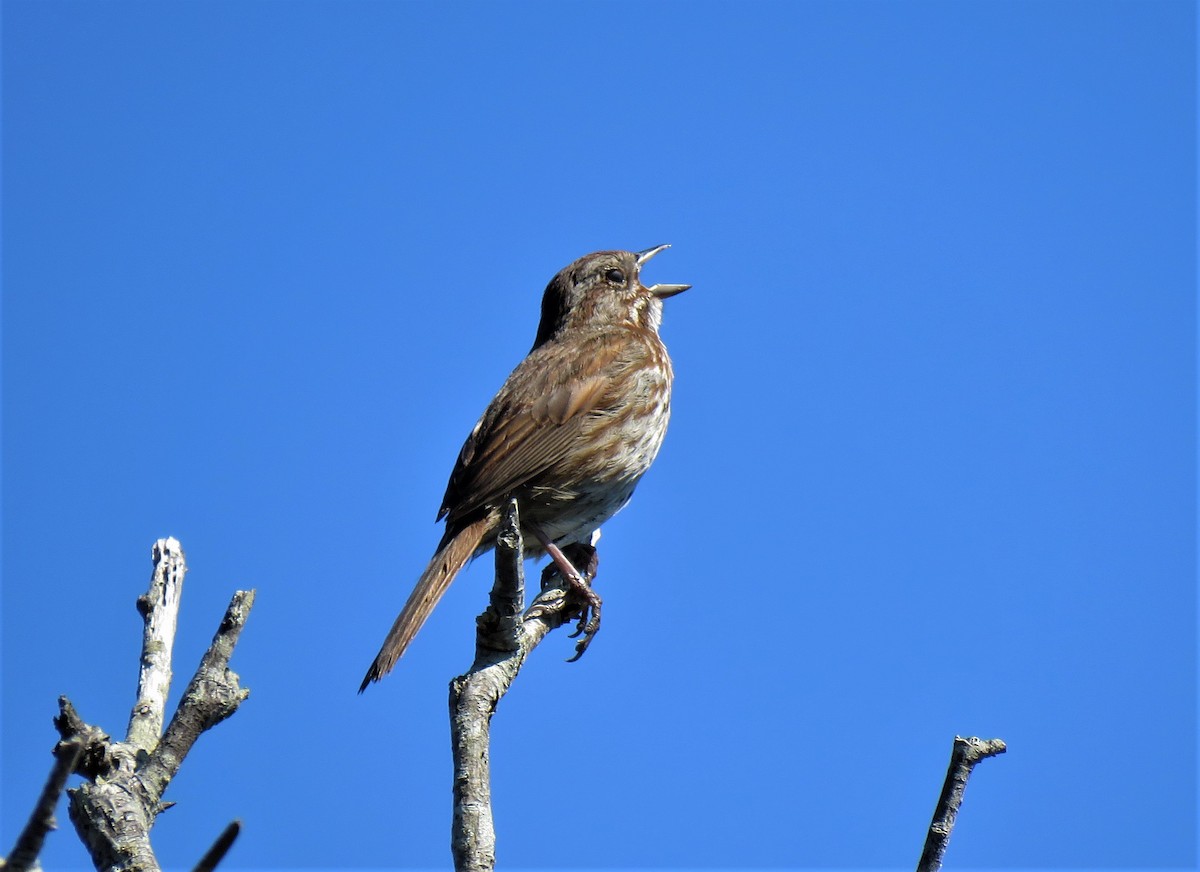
(601, 289)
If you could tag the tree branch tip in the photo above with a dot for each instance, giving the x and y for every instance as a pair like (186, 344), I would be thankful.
(214, 855)
(167, 547)
(70, 725)
(237, 611)
(244, 599)
(976, 749)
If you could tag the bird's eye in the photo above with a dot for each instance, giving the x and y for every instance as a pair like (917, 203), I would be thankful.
(615, 276)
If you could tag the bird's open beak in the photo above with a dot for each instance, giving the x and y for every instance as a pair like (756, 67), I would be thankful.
(660, 291)
(643, 257)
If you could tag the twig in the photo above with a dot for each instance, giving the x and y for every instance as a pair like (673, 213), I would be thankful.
(219, 849)
(966, 753)
(25, 852)
(504, 638)
(212, 695)
(159, 608)
(95, 761)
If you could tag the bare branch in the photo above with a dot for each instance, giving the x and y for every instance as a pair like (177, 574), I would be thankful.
(159, 608)
(507, 598)
(212, 695)
(114, 812)
(214, 855)
(113, 815)
(966, 753)
(503, 640)
(473, 836)
(25, 852)
(95, 760)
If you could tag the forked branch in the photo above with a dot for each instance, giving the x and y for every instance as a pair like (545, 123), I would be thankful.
(116, 807)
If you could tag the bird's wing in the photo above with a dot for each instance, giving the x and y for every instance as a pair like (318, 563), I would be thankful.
(534, 419)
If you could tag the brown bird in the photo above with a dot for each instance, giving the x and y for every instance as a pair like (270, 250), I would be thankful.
(569, 434)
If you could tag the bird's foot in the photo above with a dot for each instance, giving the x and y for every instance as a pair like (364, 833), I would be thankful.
(589, 619)
(563, 564)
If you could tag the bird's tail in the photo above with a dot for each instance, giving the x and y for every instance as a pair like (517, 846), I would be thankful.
(451, 556)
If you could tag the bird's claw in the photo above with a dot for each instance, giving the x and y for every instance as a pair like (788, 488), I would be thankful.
(589, 624)
(589, 616)
(578, 587)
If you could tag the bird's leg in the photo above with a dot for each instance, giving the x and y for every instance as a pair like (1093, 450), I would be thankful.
(584, 555)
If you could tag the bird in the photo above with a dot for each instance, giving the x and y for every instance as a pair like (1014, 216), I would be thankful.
(569, 434)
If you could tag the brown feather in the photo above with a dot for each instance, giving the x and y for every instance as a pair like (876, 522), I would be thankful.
(536, 418)
(451, 556)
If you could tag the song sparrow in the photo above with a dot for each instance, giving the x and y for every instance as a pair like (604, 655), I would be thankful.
(569, 434)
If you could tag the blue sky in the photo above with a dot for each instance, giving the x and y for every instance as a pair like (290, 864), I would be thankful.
(931, 468)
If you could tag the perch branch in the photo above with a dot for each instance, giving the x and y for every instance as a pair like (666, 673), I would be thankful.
(25, 852)
(966, 753)
(504, 638)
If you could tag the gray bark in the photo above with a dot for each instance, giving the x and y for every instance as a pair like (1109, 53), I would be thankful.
(504, 638)
(125, 780)
(966, 753)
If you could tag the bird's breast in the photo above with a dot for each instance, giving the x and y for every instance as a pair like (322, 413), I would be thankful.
(614, 448)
